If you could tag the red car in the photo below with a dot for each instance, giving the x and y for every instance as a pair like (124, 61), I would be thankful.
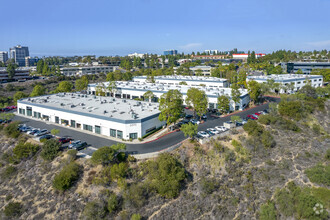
(251, 117)
(64, 140)
(257, 113)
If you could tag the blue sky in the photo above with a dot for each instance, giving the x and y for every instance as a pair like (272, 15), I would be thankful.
(107, 27)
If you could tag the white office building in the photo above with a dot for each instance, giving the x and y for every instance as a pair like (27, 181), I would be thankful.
(86, 70)
(3, 56)
(190, 80)
(136, 90)
(118, 118)
(297, 80)
(203, 70)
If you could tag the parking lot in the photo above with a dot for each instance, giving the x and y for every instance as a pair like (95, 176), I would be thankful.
(94, 142)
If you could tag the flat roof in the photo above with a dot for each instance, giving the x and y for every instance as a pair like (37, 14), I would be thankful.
(185, 78)
(90, 105)
(213, 92)
(284, 77)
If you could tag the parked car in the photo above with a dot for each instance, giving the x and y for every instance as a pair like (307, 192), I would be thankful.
(204, 116)
(221, 128)
(256, 116)
(203, 134)
(41, 132)
(25, 128)
(45, 137)
(239, 124)
(195, 121)
(64, 140)
(210, 133)
(33, 131)
(258, 113)
(265, 111)
(213, 130)
(79, 146)
(188, 116)
(244, 122)
(74, 143)
(251, 117)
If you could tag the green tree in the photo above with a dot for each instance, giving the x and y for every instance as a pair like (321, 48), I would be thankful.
(55, 131)
(45, 69)
(64, 86)
(198, 100)
(267, 211)
(183, 83)
(100, 89)
(235, 94)
(38, 90)
(254, 90)
(112, 87)
(223, 104)
(148, 95)
(118, 171)
(170, 106)
(66, 177)
(40, 66)
(235, 118)
(112, 203)
(25, 150)
(50, 149)
(82, 83)
(299, 71)
(189, 129)
(104, 155)
(19, 95)
(166, 175)
(11, 70)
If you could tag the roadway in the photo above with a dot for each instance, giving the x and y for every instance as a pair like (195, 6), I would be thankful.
(154, 146)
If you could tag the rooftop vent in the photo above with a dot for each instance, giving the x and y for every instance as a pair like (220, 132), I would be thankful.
(62, 104)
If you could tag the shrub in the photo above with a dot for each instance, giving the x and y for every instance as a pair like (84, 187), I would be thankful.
(267, 119)
(118, 171)
(285, 202)
(166, 175)
(25, 150)
(103, 155)
(327, 155)
(316, 128)
(267, 211)
(112, 203)
(50, 149)
(72, 153)
(12, 130)
(253, 128)
(66, 177)
(8, 172)
(319, 174)
(267, 139)
(94, 210)
(291, 109)
(208, 185)
(13, 209)
(135, 195)
(136, 217)
(121, 156)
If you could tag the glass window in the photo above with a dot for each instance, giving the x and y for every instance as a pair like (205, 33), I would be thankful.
(88, 127)
(113, 133)
(120, 134)
(73, 123)
(34, 114)
(133, 136)
(97, 129)
(39, 115)
(28, 111)
(57, 120)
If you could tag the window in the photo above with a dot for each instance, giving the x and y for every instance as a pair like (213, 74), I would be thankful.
(113, 132)
(73, 123)
(39, 115)
(120, 134)
(34, 114)
(320, 79)
(28, 111)
(57, 120)
(150, 129)
(88, 127)
(97, 129)
(298, 82)
(133, 136)
(20, 111)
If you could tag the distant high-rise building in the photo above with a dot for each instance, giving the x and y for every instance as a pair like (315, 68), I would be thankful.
(31, 61)
(211, 52)
(18, 53)
(170, 52)
(3, 56)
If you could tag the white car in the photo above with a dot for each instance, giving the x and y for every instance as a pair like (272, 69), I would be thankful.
(203, 134)
(194, 121)
(221, 128)
(213, 130)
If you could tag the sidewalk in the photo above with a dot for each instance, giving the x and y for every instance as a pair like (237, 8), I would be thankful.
(153, 137)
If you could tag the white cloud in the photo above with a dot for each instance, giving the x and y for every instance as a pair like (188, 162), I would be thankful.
(191, 46)
(320, 43)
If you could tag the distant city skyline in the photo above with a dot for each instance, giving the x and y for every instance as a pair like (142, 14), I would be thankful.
(109, 28)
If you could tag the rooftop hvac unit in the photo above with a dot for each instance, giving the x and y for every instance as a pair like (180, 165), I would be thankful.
(72, 106)
(124, 100)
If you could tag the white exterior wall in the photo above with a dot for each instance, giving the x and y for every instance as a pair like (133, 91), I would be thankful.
(106, 125)
(139, 93)
(298, 83)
